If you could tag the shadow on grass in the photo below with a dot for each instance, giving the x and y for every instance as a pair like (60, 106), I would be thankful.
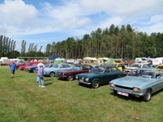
(89, 86)
(48, 81)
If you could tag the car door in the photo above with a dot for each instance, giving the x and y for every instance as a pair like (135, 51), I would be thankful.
(108, 75)
(157, 83)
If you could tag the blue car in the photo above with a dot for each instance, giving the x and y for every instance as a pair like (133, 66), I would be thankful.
(31, 68)
(140, 82)
(52, 71)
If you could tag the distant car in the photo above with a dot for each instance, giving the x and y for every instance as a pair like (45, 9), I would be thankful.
(70, 74)
(140, 82)
(100, 75)
(22, 67)
(31, 68)
(48, 65)
(136, 65)
(160, 66)
(52, 71)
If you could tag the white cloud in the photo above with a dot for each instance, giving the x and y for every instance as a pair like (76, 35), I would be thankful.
(17, 16)
(75, 16)
(109, 21)
(155, 24)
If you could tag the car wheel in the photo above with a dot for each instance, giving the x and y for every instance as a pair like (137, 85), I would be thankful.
(52, 74)
(70, 78)
(95, 84)
(147, 96)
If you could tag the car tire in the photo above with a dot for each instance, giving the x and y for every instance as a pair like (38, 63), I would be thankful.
(52, 74)
(95, 84)
(147, 96)
(115, 92)
(70, 78)
(80, 83)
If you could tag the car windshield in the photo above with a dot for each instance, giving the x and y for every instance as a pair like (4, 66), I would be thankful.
(142, 73)
(97, 69)
(55, 66)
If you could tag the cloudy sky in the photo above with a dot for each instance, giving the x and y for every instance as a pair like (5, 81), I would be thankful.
(46, 21)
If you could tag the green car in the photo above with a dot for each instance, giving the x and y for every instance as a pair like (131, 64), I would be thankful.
(100, 75)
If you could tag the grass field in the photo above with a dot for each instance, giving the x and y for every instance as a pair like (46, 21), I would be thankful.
(21, 100)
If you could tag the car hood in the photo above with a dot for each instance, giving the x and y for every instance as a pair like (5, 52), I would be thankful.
(50, 69)
(131, 81)
(88, 74)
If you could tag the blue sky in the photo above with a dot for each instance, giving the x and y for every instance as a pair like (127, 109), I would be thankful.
(46, 21)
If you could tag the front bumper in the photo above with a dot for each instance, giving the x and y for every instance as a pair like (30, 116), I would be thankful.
(84, 82)
(128, 91)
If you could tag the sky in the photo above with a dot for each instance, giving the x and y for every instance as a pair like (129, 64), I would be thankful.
(45, 21)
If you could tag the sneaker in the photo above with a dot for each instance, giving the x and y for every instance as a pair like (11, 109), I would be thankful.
(42, 86)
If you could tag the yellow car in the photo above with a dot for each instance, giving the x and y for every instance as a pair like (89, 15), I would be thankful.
(160, 66)
(120, 66)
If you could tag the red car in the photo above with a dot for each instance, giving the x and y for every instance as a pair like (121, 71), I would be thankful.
(70, 74)
(22, 67)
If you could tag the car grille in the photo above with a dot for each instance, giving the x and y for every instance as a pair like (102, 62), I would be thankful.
(123, 87)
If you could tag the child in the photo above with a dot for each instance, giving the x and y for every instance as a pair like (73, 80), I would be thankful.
(40, 74)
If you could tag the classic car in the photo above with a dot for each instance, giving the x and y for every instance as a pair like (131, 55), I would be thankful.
(120, 66)
(52, 71)
(140, 82)
(48, 65)
(160, 66)
(22, 67)
(30, 68)
(136, 65)
(70, 74)
(99, 75)
(19, 63)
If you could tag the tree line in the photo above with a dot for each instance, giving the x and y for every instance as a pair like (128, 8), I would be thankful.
(113, 42)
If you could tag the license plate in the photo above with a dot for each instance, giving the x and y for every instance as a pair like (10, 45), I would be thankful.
(123, 94)
(81, 80)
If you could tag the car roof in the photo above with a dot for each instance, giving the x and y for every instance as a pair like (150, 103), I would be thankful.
(154, 69)
(111, 66)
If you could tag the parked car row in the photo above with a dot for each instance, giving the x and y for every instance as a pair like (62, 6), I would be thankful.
(140, 82)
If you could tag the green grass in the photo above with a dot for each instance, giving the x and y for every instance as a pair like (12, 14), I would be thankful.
(21, 100)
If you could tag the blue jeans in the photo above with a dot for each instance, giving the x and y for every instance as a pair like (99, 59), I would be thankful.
(40, 80)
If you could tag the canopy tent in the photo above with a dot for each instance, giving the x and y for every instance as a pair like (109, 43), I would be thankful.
(53, 57)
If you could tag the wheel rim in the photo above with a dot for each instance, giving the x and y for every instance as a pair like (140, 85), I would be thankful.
(96, 84)
(148, 96)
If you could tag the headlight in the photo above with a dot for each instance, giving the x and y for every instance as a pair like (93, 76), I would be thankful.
(111, 84)
(87, 79)
(137, 90)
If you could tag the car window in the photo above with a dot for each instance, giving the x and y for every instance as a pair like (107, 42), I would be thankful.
(108, 70)
(55, 66)
(97, 69)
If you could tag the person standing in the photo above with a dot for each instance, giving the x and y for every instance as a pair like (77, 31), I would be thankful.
(38, 65)
(12, 68)
(40, 76)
